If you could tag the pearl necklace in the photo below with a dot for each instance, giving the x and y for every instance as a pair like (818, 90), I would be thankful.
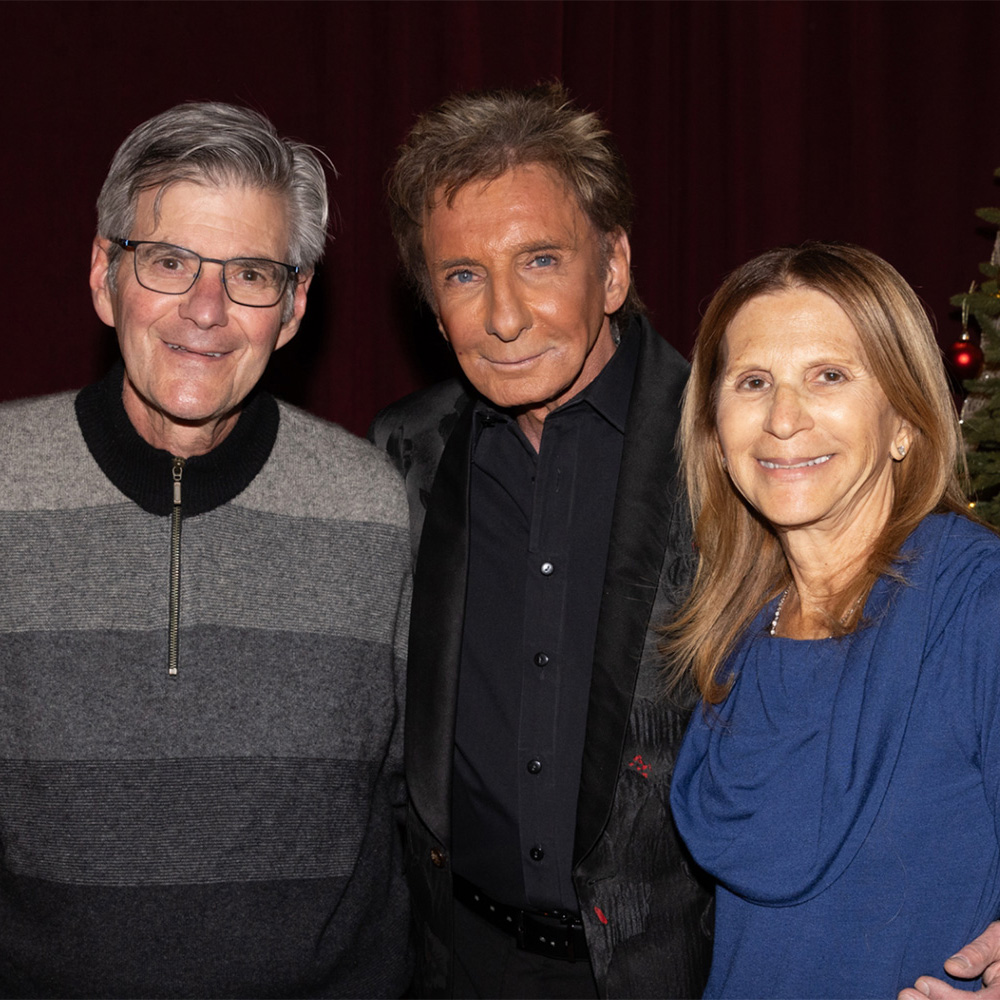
(777, 612)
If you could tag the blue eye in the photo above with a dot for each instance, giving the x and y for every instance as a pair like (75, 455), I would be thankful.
(544, 260)
(462, 277)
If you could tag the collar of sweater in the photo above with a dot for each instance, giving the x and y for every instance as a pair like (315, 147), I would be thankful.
(145, 474)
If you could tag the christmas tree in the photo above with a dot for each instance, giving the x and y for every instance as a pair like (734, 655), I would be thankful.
(981, 410)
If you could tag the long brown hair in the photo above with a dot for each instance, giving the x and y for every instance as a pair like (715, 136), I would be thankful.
(741, 565)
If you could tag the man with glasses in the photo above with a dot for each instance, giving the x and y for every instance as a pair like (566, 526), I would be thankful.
(205, 594)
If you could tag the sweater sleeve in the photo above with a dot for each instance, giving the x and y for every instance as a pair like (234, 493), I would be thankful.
(981, 651)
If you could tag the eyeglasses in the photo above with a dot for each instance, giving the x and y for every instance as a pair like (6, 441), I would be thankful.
(171, 270)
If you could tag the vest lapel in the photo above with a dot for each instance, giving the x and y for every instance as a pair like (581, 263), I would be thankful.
(640, 535)
(436, 634)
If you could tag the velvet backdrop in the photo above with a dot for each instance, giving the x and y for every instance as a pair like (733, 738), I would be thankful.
(744, 125)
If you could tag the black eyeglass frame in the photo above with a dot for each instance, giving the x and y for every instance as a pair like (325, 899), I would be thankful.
(292, 271)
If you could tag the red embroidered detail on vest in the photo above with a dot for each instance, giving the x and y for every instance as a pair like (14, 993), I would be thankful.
(600, 915)
(638, 766)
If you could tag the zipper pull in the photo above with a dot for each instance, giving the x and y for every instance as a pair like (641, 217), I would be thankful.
(177, 472)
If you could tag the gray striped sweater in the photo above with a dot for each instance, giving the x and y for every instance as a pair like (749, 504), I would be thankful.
(229, 831)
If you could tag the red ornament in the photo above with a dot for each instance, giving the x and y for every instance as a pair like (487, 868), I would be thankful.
(965, 359)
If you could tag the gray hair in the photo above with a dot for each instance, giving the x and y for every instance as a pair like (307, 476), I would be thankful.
(218, 144)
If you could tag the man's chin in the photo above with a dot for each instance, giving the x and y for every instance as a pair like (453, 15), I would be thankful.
(165, 422)
(191, 412)
(515, 391)
(513, 402)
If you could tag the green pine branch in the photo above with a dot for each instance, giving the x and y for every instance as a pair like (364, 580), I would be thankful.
(981, 412)
(982, 303)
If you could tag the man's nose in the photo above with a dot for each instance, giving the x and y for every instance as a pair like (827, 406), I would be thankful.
(788, 413)
(508, 314)
(206, 303)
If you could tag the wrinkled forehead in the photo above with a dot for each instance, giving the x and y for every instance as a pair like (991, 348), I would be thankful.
(530, 204)
(791, 318)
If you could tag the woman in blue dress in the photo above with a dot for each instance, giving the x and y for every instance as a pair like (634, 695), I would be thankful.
(841, 780)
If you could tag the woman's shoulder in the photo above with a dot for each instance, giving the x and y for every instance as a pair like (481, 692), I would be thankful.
(954, 544)
(955, 564)
(957, 526)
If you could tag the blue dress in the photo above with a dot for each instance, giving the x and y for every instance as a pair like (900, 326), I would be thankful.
(845, 794)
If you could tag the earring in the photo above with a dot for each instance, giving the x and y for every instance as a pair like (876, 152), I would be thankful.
(902, 451)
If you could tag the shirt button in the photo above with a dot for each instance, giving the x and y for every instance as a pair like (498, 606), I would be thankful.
(534, 766)
(547, 569)
(541, 659)
(536, 854)
(437, 857)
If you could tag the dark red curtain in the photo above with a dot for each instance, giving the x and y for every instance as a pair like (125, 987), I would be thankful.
(744, 125)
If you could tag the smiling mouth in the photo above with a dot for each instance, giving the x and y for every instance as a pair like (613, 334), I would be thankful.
(199, 354)
(514, 362)
(797, 465)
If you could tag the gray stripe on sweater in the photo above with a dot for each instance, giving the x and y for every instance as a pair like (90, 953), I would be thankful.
(181, 821)
(64, 566)
(331, 698)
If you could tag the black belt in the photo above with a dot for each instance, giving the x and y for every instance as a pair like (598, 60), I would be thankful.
(555, 933)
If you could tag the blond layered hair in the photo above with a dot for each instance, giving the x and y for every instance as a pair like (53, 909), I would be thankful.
(741, 565)
(481, 136)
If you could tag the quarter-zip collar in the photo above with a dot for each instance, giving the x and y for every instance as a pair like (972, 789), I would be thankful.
(144, 473)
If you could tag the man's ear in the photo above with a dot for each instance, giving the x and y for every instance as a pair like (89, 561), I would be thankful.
(100, 290)
(291, 325)
(619, 276)
(440, 326)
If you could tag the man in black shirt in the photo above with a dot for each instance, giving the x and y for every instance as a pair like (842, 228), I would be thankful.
(552, 542)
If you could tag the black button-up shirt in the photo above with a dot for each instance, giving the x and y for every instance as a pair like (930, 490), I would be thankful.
(540, 526)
